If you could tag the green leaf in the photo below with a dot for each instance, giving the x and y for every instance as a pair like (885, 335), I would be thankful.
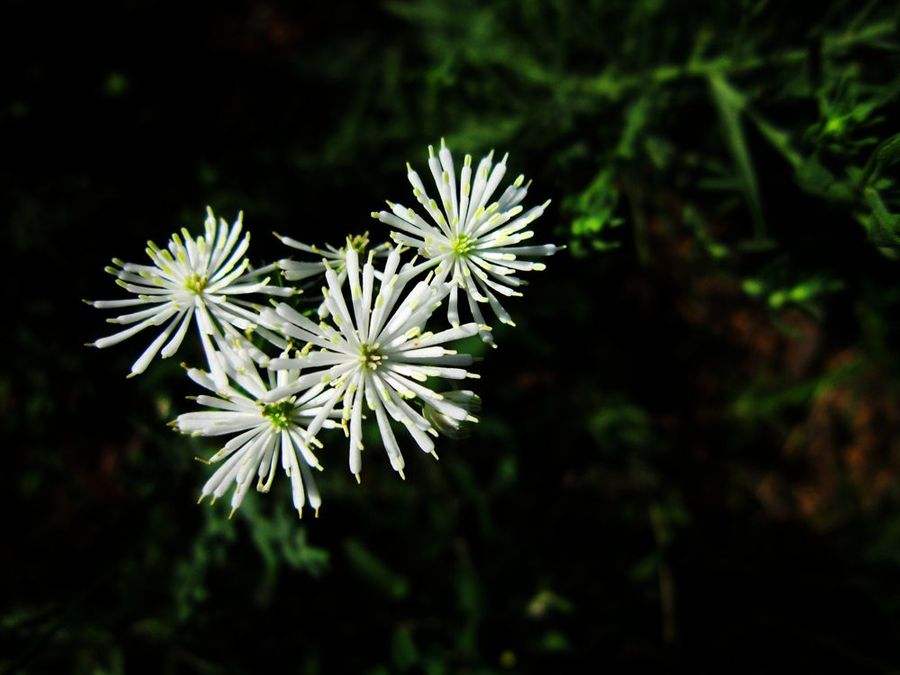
(375, 571)
(730, 104)
(403, 649)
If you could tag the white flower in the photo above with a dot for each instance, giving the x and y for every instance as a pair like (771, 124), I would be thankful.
(266, 432)
(308, 271)
(378, 354)
(204, 278)
(471, 240)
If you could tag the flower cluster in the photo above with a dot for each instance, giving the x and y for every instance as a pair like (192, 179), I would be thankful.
(365, 347)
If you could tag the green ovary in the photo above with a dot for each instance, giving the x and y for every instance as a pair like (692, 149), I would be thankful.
(461, 245)
(279, 414)
(359, 242)
(195, 284)
(370, 356)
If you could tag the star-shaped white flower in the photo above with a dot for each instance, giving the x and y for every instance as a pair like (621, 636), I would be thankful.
(309, 271)
(204, 278)
(471, 240)
(378, 354)
(268, 431)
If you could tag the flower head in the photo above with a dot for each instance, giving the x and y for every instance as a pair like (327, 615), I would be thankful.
(203, 278)
(471, 240)
(310, 270)
(378, 354)
(267, 432)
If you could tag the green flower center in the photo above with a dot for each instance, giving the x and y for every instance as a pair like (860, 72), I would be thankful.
(370, 356)
(195, 284)
(279, 414)
(359, 242)
(461, 245)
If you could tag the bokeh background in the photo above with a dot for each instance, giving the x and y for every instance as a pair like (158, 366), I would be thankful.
(689, 449)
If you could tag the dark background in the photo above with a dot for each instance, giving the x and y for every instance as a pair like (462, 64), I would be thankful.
(688, 454)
